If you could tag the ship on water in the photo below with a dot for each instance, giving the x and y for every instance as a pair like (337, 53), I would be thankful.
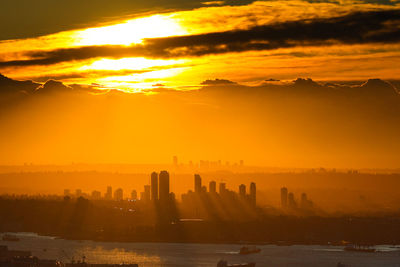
(83, 263)
(360, 248)
(249, 250)
(16, 258)
(9, 237)
(223, 263)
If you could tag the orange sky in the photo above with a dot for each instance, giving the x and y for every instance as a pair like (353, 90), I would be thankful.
(330, 59)
(212, 81)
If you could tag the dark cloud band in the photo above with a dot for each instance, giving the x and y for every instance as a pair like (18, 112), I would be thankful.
(356, 28)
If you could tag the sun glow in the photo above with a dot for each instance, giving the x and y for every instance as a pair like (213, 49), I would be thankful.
(131, 31)
(138, 63)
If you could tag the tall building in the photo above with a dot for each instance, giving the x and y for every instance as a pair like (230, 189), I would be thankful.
(108, 194)
(197, 183)
(146, 193)
(134, 195)
(78, 193)
(212, 187)
(163, 183)
(253, 194)
(242, 190)
(96, 194)
(67, 192)
(305, 202)
(284, 197)
(222, 188)
(291, 202)
(119, 194)
(175, 161)
(154, 186)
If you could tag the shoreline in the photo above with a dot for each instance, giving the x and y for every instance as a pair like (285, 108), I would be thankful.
(266, 243)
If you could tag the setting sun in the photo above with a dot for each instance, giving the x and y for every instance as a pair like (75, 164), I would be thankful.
(236, 133)
(131, 31)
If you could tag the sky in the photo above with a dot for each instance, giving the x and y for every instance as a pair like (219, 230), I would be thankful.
(276, 83)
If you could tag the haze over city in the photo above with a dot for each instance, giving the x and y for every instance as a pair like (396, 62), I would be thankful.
(202, 122)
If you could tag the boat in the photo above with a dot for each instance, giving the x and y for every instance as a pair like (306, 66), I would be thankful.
(249, 250)
(9, 237)
(16, 258)
(223, 263)
(6, 254)
(360, 248)
(83, 263)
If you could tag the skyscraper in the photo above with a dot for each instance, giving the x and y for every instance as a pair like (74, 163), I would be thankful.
(67, 192)
(222, 188)
(253, 194)
(118, 194)
(78, 192)
(146, 193)
(134, 195)
(242, 190)
(96, 194)
(163, 183)
(197, 183)
(284, 197)
(154, 186)
(291, 202)
(213, 187)
(108, 194)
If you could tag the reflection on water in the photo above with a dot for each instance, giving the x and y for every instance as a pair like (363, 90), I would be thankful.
(172, 254)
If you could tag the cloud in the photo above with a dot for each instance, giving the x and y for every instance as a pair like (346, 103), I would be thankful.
(8, 86)
(356, 28)
(42, 17)
(52, 86)
(375, 88)
(218, 82)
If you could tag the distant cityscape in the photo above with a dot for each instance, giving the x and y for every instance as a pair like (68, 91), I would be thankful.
(208, 211)
(198, 202)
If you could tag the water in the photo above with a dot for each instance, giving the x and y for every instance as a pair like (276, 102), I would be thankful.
(172, 254)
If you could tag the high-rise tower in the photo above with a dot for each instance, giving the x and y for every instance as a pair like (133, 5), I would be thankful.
(284, 197)
(253, 194)
(212, 187)
(197, 183)
(163, 183)
(154, 186)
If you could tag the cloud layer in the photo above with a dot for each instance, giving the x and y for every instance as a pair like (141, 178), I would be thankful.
(356, 28)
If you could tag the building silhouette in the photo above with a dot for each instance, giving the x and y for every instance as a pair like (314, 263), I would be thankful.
(78, 193)
(96, 194)
(134, 195)
(67, 192)
(305, 203)
(222, 188)
(291, 202)
(242, 191)
(154, 186)
(119, 194)
(212, 187)
(197, 184)
(146, 193)
(284, 197)
(108, 194)
(253, 194)
(163, 183)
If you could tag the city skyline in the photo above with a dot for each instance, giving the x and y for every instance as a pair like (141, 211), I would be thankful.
(199, 133)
